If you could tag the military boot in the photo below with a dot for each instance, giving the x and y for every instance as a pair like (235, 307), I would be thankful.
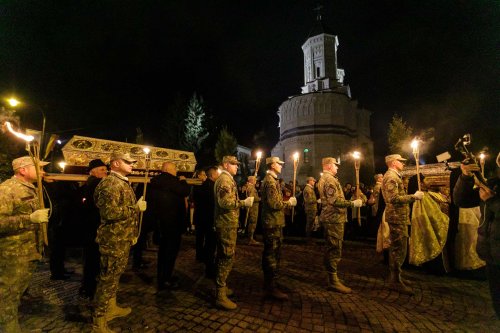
(273, 291)
(12, 326)
(253, 242)
(334, 283)
(222, 301)
(100, 325)
(397, 284)
(114, 311)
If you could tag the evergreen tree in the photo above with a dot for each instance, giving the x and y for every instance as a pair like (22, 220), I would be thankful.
(172, 125)
(399, 135)
(226, 145)
(195, 131)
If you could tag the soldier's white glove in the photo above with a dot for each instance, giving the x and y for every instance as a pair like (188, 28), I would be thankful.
(418, 195)
(292, 201)
(248, 202)
(40, 216)
(319, 201)
(141, 204)
(357, 203)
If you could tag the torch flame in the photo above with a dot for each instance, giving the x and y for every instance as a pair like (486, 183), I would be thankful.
(414, 144)
(27, 138)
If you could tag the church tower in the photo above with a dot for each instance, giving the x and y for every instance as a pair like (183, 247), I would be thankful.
(323, 120)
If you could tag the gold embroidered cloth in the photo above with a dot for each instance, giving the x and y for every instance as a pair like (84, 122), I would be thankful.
(429, 228)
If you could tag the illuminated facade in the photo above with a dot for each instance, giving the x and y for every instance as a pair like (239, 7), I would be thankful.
(323, 120)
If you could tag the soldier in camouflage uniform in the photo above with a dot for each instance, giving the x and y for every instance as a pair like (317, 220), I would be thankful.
(253, 213)
(273, 221)
(333, 217)
(226, 215)
(119, 212)
(397, 215)
(20, 238)
(310, 206)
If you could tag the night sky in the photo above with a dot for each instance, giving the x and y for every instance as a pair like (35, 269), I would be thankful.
(108, 67)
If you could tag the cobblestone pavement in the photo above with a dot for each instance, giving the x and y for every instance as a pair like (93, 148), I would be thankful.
(441, 303)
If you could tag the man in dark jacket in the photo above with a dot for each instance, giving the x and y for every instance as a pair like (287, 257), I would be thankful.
(97, 171)
(204, 202)
(488, 241)
(167, 198)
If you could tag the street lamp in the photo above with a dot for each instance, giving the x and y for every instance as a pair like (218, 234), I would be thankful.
(15, 102)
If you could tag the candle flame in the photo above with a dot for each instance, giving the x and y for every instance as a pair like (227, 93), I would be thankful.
(27, 138)
(146, 150)
(482, 156)
(62, 165)
(259, 155)
(296, 156)
(356, 155)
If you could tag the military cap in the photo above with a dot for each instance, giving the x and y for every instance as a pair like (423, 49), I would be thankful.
(251, 178)
(329, 160)
(230, 159)
(24, 161)
(274, 159)
(310, 178)
(95, 164)
(394, 157)
(120, 156)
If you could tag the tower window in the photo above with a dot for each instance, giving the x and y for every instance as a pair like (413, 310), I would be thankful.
(318, 72)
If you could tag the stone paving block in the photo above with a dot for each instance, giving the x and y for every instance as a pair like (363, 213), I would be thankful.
(442, 303)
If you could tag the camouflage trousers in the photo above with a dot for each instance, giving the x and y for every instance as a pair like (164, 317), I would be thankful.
(15, 275)
(253, 214)
(273, 237)
(226, 247)
(113, 264)
(334, 236)
(310, 216)
(399, 244)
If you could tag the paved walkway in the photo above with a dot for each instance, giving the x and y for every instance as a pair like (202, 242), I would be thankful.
(441, 303)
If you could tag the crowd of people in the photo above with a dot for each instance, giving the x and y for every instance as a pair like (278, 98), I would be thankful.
(117, 221)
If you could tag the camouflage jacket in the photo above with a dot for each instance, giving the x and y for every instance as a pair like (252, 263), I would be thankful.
(252, 192)
(333, 203)
(116, 201)
(18, 236)
(273, 206)
(397, 209)
(227, 203)
(310, 200)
